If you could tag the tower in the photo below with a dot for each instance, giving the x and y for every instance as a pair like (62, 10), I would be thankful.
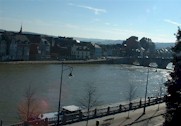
(20, 29)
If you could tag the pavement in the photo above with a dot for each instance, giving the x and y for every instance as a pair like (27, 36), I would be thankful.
(152, 117)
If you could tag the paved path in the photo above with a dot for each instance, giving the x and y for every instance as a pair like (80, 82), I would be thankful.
(152, 117)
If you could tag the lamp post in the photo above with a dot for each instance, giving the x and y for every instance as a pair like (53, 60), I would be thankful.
(60, 90)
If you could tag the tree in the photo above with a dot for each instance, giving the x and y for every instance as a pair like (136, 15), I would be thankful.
(29, 107)
(173, 98)
(159, 94)
(89, 100)
(147, 44)
(130, 95)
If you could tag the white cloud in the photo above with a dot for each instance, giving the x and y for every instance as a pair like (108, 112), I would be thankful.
(172, 22)
(95, 10)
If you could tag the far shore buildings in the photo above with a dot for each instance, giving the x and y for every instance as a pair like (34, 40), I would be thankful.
(19, 46)
(39, 47)
(81, 50)
(86, 50)
(142, 48)
(16, 46)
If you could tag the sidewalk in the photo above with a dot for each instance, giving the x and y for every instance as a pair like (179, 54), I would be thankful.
(152, 117)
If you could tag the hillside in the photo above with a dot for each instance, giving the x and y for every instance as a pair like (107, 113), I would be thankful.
(100, 41)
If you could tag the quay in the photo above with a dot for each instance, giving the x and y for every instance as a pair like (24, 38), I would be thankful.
(92, 61)
(105, 113)
(161, 63)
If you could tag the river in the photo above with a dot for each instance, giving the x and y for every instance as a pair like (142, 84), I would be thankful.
(111, 82)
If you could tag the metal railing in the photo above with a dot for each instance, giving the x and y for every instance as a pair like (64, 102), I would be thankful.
(102, 111)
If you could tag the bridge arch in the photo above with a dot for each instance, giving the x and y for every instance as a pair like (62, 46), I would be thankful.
(170, 66)
(161, 62)
(136, 62)
(153, 64)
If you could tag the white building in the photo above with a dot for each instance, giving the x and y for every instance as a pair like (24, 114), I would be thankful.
(80, 51)
(44, 49)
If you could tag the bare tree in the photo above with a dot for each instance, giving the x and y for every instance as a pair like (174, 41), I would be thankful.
(160, 92)
(130, 95)
(28, 108)
(89, 100)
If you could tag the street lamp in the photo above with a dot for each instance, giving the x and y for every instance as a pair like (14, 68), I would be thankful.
(60, 91)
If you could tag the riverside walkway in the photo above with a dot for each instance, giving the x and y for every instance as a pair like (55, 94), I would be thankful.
(106, 114)
(152, 117)
(108, 110)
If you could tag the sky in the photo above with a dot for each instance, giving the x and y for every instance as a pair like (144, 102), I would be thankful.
(102, 19)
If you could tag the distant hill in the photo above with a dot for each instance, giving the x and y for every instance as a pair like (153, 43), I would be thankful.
(164, 45)
(159, 45)
(100, 41)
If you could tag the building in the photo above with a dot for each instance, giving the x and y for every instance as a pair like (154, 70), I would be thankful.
(34, 44)
(111, 50)
(20, 46)
(62, 48)
(97, 51)
(13, 46)
(81, 50)
(43, 49)
(3, 46)
(131, 47)
(86, 50)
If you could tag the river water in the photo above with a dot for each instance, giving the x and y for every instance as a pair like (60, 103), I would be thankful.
(111, 82)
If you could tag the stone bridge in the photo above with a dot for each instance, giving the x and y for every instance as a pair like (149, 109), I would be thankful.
(161, 62)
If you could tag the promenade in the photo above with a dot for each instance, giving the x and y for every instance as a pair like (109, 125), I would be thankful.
(113, 115)
(152, 117)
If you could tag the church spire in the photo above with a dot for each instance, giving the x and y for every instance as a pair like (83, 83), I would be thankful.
(20, 29)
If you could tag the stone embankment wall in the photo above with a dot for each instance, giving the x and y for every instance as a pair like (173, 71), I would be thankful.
(101, 61)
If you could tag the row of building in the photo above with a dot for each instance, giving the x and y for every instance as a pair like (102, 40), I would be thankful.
(29, 46)
(23, 46)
